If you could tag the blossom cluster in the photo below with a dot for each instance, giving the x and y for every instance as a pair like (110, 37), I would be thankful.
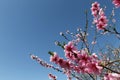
(40, 61)
(83, 61)
(99, 16)
(86, 63)
(60, 61)
(116, 3)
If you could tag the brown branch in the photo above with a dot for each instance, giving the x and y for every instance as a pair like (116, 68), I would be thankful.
(110, 69)
(112, 62)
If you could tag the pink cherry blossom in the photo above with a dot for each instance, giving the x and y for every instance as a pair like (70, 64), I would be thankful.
(101, 26)
(93, 68)
(83, 61)
(101, 12)
(100, 20)
(70, 48)
(54, 58)
(63, 63)
(69, 56)
(41, 62)
(116, 3)
(95, 21)
(80, 69)
(94, 56)
(95, 9)
(103, 19)
(59, 61)
(84, 58)
(67, 65)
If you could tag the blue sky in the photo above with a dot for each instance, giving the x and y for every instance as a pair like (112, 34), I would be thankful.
(32, 26)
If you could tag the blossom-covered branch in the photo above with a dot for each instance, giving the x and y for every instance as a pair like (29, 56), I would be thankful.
(80, 63)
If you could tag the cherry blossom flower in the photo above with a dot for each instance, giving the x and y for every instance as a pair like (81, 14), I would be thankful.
(84, 58)
(94, 56)
(70, 48)
(93, 68)
(100, 20)
(68, 55)
(100, 26)
(116, 3)
(95, 9)
(41, 62)
(54, 58)
(61, 62)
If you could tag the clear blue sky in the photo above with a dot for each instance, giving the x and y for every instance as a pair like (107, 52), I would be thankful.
(32, 26)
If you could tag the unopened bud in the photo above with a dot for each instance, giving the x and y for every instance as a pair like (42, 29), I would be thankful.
(61, 33)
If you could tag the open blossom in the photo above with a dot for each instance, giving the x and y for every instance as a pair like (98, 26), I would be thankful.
(101, 12)
(103, 19)
(100, 20)
(94, 68)
(59, 61)
(54, 58)
(95, 9)
(101, 25)
(70, 47)
(69, 56)
(63, 63)
(116, 3)
(84, 58)
(112, 76)
(88, 63)
(94, 56)
(70, 50)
